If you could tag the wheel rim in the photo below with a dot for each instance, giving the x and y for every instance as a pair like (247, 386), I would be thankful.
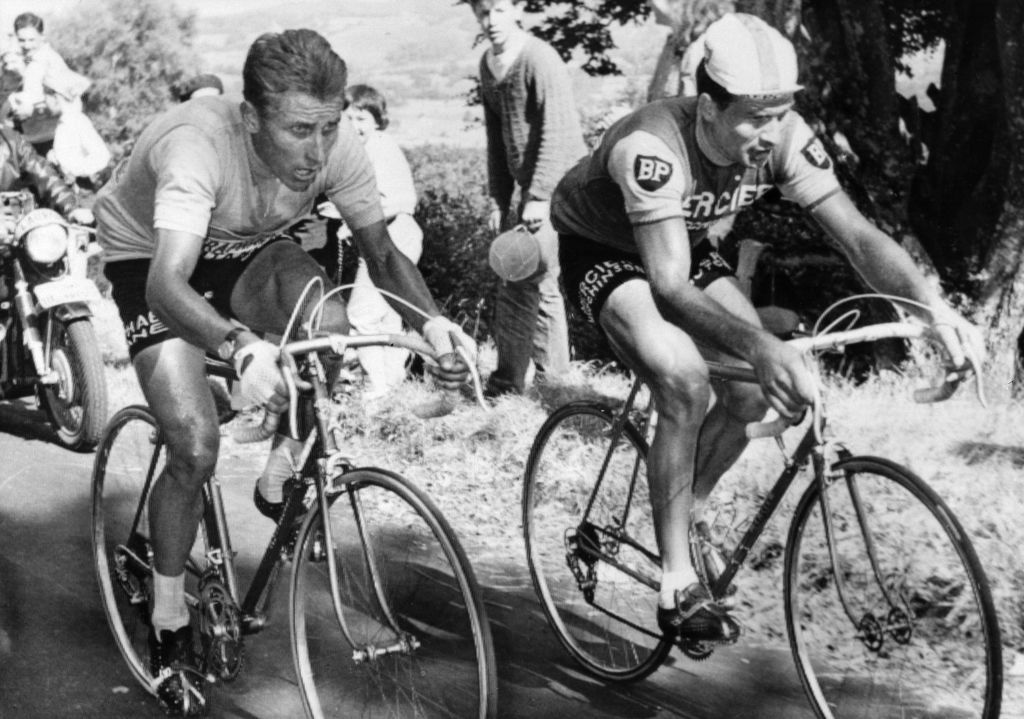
(437, 663)
(928, 649)
(122, 461)
(64, 396)
(602, 616)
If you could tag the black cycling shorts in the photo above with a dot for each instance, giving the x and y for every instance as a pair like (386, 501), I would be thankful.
(590, 270)
(214, 279)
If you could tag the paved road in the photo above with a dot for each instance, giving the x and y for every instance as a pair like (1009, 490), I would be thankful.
(57, 658)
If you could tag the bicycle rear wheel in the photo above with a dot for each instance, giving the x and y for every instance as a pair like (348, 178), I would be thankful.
(420, 643)
(923, 640)
(584, 538)
(129, 458)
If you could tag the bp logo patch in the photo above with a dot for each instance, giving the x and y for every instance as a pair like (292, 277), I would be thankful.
(651, 172)
(815, 153)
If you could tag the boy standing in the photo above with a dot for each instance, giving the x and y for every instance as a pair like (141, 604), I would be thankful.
(533, 138)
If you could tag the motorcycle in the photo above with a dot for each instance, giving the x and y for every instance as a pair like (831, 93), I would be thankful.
(48, 345)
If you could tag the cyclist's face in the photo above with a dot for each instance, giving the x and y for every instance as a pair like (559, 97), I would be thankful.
(746, 130)
(361, 119)
(29, 41)
(499, 19)
(294, 135)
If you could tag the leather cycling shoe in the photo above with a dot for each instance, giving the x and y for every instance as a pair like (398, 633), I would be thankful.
(180, 686)
(271, 510)
(697, 617)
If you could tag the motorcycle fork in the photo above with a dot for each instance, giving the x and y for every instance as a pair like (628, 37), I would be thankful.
(26, 307)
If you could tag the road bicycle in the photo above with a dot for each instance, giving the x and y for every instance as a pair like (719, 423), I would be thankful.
(888, 612)
(386, 616)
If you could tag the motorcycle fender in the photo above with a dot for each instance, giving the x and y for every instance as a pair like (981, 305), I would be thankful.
(72, 311)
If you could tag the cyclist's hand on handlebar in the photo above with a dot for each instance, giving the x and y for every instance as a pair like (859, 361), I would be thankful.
(963, 341)
(260, 376)
(445, 337)
(782, 372)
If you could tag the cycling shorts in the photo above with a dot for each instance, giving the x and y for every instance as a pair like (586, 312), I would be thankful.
(591, 270)
(213, 279)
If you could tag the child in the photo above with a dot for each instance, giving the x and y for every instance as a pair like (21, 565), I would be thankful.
(368, 311)
(78, 150)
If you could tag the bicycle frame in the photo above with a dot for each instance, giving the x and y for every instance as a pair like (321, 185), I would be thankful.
(811, 449)
(327, 472)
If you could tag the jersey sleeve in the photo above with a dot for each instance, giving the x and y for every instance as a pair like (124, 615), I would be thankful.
(188, 173)
(806, 174)
(651, 177)
(351, 185)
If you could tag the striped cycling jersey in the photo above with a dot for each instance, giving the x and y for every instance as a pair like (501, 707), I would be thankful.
(649, 168)
(194, 170)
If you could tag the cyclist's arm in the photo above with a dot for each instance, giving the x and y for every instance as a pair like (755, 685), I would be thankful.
(888, 268)
(173, 300)
(392, 271)
(665, 250)
(883, 264)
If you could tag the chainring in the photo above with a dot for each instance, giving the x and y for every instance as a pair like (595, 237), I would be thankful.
(220, 626)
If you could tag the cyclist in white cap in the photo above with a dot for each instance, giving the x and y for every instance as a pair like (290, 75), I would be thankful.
(632, 221)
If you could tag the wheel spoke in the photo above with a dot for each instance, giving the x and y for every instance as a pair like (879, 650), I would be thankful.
(591, 546)
(902, 622)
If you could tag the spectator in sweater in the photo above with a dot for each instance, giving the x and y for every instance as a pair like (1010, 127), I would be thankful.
(368, 311)
(533, 138)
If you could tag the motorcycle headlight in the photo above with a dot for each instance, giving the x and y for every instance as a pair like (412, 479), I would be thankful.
(45, 235)
(46, 244)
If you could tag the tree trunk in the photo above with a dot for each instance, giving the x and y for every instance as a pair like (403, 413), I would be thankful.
(1001, 299)
(956, 198)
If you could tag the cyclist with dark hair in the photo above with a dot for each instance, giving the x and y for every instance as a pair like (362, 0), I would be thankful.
(191, 224)
(633, 220)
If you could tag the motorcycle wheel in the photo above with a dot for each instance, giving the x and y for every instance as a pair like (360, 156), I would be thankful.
(77, 404)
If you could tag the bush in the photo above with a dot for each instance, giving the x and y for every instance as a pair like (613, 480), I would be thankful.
(453, 209)
(133, 51)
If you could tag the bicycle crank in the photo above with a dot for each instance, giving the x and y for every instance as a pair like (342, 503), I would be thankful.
(221, 629)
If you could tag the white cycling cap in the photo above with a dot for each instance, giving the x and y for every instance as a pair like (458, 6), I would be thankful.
(750, 58)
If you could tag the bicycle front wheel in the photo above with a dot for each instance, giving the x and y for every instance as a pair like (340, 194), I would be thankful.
(897, 619)
(408, 634)
(129, 458)
(590, 542)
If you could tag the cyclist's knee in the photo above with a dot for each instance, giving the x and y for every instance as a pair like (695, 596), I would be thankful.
(745, 403)
(192, 454)
(683, 393)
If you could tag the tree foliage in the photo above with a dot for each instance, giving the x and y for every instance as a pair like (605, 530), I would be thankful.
(585, 26)
(133, 51)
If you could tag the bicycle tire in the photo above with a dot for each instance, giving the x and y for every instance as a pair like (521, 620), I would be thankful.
(612, 632)
(128, 458)
(429, 589)
(932, 648)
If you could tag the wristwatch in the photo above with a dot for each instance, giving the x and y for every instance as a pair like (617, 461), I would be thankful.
(226, 349)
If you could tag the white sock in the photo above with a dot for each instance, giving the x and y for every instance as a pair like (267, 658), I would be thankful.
(671, 582)
(169, 610)
(279, 468)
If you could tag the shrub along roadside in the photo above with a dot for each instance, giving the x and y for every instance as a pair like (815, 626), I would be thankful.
(452, 210)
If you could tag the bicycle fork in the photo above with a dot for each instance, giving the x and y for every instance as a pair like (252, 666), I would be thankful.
(898, 622)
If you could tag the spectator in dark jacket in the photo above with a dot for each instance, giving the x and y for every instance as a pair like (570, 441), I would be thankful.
(21, 167)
